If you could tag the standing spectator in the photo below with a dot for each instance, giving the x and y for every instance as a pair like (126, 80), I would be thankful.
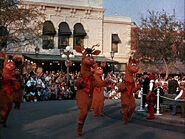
(53, 95)
(165, 87)
(71, 86)
(172, 86)
(31, 84)
(60, 92)
(46, 93)
(180, 103)
(146, 82)
(56, 90)
(70, 93)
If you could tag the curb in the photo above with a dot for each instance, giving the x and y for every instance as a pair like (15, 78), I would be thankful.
(170, 119)
(163, 118)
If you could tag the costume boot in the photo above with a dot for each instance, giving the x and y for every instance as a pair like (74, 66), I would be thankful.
(130, 113)
(79, 130)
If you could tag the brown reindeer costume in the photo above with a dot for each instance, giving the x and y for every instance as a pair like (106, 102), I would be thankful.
(11, 88)
(85, 84)
(127, 89)
(98, 93)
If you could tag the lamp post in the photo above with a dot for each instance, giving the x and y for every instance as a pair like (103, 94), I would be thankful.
(112, 56)
(67, 53)
(37, 51)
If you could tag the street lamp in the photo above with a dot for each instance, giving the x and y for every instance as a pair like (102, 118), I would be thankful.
(67, 53)
(37, 51)
(112, 56)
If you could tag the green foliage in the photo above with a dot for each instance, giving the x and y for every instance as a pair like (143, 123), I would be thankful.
(160, 37)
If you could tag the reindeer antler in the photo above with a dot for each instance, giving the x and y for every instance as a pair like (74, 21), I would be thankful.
(95, 46)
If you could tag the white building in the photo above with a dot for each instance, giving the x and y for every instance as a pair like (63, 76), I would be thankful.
(81, 22)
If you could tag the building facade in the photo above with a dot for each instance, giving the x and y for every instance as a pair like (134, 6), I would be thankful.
(80, 23)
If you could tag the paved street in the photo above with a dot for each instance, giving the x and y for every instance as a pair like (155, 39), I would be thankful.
(58, 120)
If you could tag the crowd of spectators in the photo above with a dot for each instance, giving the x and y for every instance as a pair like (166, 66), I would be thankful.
(53, 85)
(49, 86)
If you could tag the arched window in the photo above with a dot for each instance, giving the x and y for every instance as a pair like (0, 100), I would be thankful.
(48, 35)
(79, 35)
(63, 35)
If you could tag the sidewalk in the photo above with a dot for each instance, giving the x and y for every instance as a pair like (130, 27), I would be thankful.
(165, 116)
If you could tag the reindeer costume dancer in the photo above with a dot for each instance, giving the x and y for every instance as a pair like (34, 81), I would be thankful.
(98, 93)
(11, 88)
(85, 84)
(127, 89)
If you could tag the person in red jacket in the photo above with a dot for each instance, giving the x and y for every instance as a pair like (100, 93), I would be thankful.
(151, 99)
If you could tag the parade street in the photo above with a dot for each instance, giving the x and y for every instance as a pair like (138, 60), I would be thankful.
(58, 120)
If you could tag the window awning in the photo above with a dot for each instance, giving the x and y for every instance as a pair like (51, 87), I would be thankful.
(64, 29)
(45, 57)
(115, 38)
(48, 28)
(79, 30)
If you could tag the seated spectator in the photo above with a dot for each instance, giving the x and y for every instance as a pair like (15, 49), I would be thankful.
(46, 94)
(70, 93)
(53, 95)
(61, 93)
(56, 90)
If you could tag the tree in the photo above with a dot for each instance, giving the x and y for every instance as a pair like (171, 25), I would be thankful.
(19, 25)
(160, 39)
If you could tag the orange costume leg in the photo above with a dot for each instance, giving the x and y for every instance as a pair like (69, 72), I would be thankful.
(84, 102)
(6, 102)
(125, 113)
(128, 105)
(5, 113)
(96, 103)
(96, 109)
(101, 106)
(132, 107)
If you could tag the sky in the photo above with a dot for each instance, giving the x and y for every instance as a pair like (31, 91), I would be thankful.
(137, 8)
